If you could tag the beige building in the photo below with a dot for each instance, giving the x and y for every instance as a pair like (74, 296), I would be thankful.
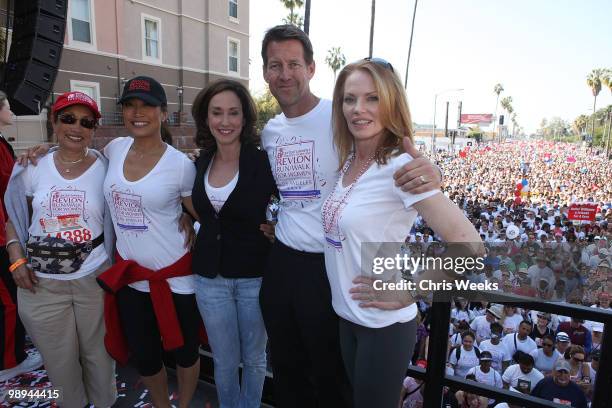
(184, 44)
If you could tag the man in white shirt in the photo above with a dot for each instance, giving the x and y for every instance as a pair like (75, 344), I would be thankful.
(520, 341)
(295, 294)
(522, 376)
(498, 351)
(481, 325)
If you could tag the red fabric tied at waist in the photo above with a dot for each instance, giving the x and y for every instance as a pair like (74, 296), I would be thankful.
(124, 272)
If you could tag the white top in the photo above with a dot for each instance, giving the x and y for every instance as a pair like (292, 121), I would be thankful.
(389, 214)
(481, 326)
(498, 352)
(69, 209)
(219, 195)
(467, 360)
(146, 212)
(522, 382)
(305, 166)
(512, 322)
(492, 378)
(544, 363)
(527, 345)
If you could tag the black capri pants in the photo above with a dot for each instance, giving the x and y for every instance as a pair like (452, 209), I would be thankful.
(140, 328)
(376, 361)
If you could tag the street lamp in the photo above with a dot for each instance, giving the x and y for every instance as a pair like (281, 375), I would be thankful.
(180, 91)
(433, 129)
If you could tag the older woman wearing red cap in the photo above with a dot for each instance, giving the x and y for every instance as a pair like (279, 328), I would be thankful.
(55, 233)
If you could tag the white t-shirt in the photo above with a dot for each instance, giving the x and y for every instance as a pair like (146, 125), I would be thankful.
(219, 195)
(498, 352)
(517, 379)
(69, 209)
(544, 363)
(512, 322)
(527, 345)
(304, 163)
(389, 214)
(467, 360)
(146, 212)
(492, 378)
(481, 326)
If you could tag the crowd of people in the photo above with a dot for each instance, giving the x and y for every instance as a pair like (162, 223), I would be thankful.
(110, 266)
(534, 250)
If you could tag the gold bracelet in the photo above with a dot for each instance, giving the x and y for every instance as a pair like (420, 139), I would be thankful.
(17, 264)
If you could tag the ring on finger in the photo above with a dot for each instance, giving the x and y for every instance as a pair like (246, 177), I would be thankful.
(423, 179)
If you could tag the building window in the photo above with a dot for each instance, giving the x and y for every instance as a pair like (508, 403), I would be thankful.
(233, 55)
(151, 38)
(233, 9)
(81, 21)
(92, 89)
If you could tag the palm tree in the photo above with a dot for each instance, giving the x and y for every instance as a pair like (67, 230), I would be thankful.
(335, 59)
(607, 79)
(497, 89)
(293, 17)
(506, 104)
(580, 124)
(594, 80)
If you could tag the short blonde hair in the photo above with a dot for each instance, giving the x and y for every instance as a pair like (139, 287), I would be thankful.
(393, 108)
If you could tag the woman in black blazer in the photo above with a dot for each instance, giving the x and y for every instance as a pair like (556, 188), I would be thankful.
(232, 189)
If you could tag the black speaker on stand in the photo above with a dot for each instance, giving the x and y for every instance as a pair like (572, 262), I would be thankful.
(36, 49)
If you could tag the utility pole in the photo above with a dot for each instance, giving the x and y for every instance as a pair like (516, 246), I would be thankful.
(307, 18)
(410, 45)
(372, 28)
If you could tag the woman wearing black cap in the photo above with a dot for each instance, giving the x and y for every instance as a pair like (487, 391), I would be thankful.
(151, 285)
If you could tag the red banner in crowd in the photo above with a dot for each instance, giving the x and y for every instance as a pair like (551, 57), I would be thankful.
(582, 212)
(476, 118)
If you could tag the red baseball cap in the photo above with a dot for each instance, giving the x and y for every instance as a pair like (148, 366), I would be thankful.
(75, 98)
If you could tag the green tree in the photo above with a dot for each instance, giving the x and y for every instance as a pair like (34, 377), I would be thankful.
(607, 79)
(335, 59)
(267, 108)
(580, 124)
(293, 18)
(497, 89)
(594, 80)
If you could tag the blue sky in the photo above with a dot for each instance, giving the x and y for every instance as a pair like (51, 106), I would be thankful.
(540, 50)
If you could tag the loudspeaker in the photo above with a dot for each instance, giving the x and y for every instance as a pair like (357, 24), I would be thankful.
(501, 119)
(34, 58)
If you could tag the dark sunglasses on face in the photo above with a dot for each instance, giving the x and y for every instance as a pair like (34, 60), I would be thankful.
(70, 119)
(547, 344)
(382, 62)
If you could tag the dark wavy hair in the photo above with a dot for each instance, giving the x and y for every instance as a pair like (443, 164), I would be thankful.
(199, 111)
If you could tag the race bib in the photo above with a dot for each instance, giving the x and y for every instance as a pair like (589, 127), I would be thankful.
(128, 211)
(294, 171)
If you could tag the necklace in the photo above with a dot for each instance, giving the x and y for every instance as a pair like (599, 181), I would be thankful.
(71, 163)
(141, 154)
(332, 209)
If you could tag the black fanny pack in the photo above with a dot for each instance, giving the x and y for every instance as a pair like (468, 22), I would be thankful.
(58, 255)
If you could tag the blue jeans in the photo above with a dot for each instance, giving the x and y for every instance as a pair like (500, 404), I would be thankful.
(236, 333)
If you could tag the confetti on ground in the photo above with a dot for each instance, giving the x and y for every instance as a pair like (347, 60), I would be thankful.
(131, 392)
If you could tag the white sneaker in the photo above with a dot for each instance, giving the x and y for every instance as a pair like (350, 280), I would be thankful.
(31, 363)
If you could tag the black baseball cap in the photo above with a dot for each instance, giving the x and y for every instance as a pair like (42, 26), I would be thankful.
(146, 89)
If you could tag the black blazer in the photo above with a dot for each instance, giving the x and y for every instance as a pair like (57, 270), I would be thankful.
(230, 243)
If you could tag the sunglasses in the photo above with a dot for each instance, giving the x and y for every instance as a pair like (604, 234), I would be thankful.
(382, 62)
(70, 119)
(547, 344)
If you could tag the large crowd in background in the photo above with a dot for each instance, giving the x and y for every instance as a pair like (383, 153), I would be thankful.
(533, 250)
